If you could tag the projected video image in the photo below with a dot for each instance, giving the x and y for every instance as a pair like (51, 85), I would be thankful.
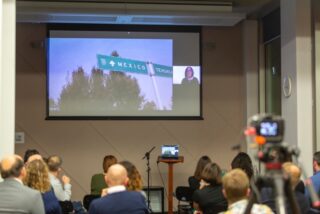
(98, 76)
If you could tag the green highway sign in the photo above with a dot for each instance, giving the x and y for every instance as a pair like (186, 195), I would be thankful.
(134, 66)
(121, 64)
(162, 70)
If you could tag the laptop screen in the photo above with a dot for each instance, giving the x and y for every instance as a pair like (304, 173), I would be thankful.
(170, 151)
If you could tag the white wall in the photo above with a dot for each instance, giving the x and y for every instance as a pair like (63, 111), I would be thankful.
(7, 76)
(296, 63)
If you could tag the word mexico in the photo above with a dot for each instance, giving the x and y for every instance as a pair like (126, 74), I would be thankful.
(133, 66)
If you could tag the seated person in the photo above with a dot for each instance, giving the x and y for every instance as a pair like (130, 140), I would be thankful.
(63, 192)
(31, 154)
(135, 180)
(37, 178)
(236, 190)
(13, 194)
(315, 179)
(294, 173)
(194, 181)
(118, 199)
(97, 181)
(243, 161)
(209, 198)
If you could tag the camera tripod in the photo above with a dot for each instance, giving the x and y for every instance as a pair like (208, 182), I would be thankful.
(274, 155)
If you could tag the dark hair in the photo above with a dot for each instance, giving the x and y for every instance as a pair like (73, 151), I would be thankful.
(108, 160)
(316, 157)
(189, 68)
(212, 174)
(29, 153)
(54, 163)
(243, 161)
(14, 170)
(135, 180)
(202, 162)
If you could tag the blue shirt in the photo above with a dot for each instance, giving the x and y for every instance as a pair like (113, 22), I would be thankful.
(316, 184)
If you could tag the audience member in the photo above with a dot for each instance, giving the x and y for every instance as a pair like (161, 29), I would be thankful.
(236, 190)
(268, 194)
(37, 177)
(243, 161)
(209, 198)
(63, 192)
(98, 182)
(315, 179)
(14, 196)
(118, 199)
(194, 181)
(31, 154)
(294, 173)
(135, 180)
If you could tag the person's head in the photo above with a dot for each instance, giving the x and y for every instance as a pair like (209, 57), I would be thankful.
(116, 175)
(243, 161)
(12, 167)
(235, 185)
(37, 176)
(202, 162)
(34, 157)
(135, 180)
(108, 160)
(316, 161)
(29, 153)
(54, 163)
(211, 174)
(293, 171)
(188, 72)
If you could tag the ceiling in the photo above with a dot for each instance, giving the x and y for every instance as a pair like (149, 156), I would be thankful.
(162, 12)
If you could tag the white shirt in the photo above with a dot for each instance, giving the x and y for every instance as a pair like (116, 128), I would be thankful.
(63, 193)
(114, 189)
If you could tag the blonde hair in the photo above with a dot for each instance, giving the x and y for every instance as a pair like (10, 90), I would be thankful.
(235, 184)
(37, 176)
(294, 172)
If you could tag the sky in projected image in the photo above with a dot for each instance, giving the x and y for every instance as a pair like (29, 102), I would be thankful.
(68, 54)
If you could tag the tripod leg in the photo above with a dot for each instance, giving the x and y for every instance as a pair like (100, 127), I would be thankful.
(254, 195)
(280, 196)
(291, 198)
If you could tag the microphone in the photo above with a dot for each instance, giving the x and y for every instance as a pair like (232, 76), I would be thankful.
(147, 155)
(236, 147)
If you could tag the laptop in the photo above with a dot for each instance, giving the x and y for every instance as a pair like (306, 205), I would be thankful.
(170, 151)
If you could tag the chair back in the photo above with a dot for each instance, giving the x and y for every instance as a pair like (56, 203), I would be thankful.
(184, 193)
(87, 199)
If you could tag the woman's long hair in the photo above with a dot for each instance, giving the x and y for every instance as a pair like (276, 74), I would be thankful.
(37, 176)
(203, 161)
(135, 180)
(243, 161)
(212, 174)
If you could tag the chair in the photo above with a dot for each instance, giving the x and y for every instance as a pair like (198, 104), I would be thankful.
(66, 207)
(87, 199)
(184, 194)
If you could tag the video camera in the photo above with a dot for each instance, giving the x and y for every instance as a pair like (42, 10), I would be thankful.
(267, 131)
(269, 127)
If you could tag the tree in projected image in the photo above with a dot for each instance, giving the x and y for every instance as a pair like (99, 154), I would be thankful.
(75, 95)
(100, 93)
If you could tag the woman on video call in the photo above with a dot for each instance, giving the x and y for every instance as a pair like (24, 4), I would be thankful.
(189, 79)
